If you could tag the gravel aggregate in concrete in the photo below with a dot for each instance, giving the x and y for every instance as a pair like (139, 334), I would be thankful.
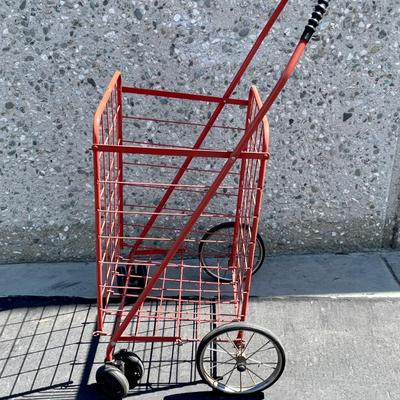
(334, 130)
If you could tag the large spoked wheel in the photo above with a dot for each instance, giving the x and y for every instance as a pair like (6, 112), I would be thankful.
(112, 382)
(215, 249)
(240, 358)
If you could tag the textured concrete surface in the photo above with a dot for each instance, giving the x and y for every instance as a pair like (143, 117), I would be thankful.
(323, 275)
(334, 130)
(336, 350)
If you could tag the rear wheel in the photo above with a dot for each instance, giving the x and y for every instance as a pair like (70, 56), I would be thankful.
(240, 358)
(215, 249)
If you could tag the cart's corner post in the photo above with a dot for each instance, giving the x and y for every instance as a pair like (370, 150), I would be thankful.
(316, 17)
(98, 159)
(254, 106)
(120, 165)
(238, 212)
(97, 204)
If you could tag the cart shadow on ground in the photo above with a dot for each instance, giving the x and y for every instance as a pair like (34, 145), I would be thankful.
(48, 351)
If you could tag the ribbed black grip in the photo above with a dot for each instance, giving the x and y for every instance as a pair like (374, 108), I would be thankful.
(316, 16)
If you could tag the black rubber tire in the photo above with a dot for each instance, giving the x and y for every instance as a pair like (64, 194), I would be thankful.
(228, 225)
(237, 326)
(112, 382)
(133, 366)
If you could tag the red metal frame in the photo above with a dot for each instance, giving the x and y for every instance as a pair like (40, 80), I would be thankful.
(173, 277)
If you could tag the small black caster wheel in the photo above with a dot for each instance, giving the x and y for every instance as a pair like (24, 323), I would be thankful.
(112, 382)
(133, 366)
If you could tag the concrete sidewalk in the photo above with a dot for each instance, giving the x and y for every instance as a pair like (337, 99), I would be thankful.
(337, 316)
(375, 274)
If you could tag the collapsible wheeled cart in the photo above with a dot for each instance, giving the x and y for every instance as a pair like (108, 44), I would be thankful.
(167, 211)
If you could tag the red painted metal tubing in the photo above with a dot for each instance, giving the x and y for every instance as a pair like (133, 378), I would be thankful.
(204, 202)
(279, 85)
(115, 81)
(214, 116)
(182, 95)
(148, 339)
(175, 152)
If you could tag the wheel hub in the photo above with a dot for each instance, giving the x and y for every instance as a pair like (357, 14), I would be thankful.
(241, 363)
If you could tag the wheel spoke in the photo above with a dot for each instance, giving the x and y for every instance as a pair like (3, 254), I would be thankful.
(226, 351)
(267, 364)
(245, 347)
(259, 349)
(229, 362)
(230, 340)
(229, 377)
(251, 377)
(258, 376)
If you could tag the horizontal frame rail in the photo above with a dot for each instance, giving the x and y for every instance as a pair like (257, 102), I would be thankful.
(183, 96)
(177, 152)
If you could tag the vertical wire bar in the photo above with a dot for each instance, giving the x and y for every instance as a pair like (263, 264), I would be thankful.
(250, 185)
(99, 252)
(179, 315)
(120, 166)
(111, 187)
(257, 208)
(106, 194)
(116, 215)
(145, 284)
(162, 295)
(241, 205)
(244, 211)
(200, 293)
(233, 258)
(101, 135)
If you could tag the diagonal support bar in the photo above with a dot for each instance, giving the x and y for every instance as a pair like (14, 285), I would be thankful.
(263, 34)
(208, 196)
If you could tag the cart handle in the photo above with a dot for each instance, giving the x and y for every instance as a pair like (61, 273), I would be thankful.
(316, 17)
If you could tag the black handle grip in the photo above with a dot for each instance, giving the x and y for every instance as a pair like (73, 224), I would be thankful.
(316, 17)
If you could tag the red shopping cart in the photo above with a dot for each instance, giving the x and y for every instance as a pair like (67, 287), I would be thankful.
(167, 211)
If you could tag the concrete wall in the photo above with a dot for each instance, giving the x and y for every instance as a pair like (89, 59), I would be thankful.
(331, 183)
